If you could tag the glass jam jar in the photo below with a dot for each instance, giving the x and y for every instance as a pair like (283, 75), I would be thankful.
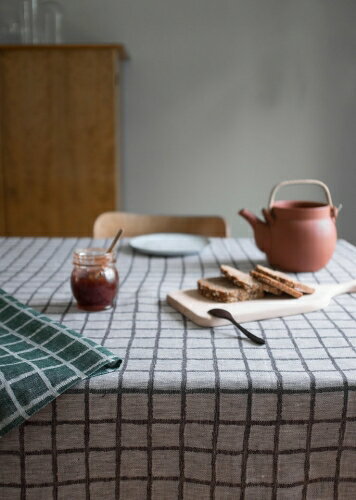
(94, 279)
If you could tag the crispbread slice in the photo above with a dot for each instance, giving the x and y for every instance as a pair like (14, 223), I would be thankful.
(239, 278)
(222, 290)
(276, 284)
(271, 289)
(246, 281)
(284, 278)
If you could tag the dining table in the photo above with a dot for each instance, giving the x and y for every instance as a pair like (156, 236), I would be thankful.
(193, 412)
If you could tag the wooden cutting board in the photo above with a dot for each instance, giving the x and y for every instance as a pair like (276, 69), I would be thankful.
(195, 307)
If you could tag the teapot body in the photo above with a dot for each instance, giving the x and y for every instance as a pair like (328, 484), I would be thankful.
(303, 235)
(297, 236)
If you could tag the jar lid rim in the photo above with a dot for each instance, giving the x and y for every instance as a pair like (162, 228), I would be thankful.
(93, 256)
(91, 252)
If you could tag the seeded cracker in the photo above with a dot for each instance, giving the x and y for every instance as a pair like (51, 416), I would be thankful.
(284, 278)
(239, 278)
(246, 281)
(276, 284)
(222, 290)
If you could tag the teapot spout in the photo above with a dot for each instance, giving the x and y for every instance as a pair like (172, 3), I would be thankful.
(261, 229)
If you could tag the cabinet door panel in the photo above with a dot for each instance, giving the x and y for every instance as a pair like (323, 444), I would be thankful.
(58, 139)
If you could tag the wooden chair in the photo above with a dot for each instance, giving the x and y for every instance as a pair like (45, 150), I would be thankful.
(107, 224)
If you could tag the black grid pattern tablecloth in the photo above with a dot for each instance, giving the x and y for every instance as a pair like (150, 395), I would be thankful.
(192, 413)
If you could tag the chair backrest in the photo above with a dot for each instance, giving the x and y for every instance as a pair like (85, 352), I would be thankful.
(107, 224)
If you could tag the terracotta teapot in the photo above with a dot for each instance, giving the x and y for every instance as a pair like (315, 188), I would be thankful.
(297, 236)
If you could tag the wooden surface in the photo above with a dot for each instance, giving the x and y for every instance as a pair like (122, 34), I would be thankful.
(58, 139)
(195, 307)
(2, 186)
(119, 48)
(107, 225)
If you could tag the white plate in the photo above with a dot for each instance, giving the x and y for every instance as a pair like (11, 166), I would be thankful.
(169, 244)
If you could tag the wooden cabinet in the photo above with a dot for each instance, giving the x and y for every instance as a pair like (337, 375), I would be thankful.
(59, 146)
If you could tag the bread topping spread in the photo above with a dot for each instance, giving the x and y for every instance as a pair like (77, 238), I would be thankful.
(94, 279)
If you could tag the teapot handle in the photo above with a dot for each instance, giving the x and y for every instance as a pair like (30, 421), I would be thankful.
(303, 181)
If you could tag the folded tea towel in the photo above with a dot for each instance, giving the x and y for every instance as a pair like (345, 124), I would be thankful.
(39, 360)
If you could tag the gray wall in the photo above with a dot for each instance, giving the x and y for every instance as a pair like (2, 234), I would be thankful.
(222, 99)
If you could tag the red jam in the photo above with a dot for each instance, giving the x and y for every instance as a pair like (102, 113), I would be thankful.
(94, 279)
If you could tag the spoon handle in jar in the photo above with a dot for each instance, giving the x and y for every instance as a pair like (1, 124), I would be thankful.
(115, 240)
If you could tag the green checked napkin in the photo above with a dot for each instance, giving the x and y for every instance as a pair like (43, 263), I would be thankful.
(39, 360)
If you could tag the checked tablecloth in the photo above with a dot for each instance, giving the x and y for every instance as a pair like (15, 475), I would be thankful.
(192, 413)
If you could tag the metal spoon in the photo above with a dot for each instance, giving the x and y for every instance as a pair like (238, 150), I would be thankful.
(222, 313)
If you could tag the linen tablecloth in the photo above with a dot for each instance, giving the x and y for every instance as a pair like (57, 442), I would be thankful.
(192, 413)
